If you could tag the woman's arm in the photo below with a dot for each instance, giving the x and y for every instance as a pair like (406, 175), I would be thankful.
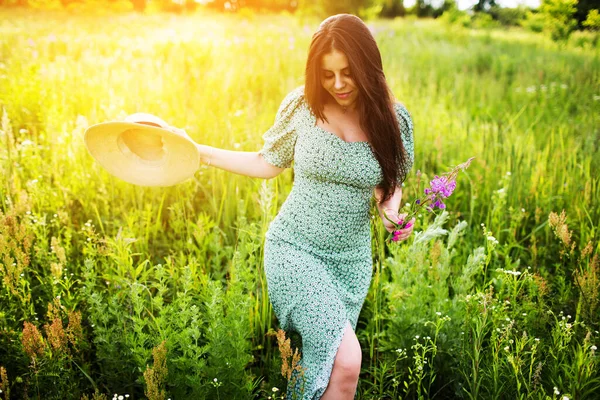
(390, 207)
(239, 162)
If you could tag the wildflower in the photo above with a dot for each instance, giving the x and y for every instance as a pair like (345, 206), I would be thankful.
(215, 379)
(594, 348)
(275, 389)
(438, 313)
(565, 398)
(417, 336)
(515, 273)
(120, 397)
(440, 188)
(506, 348)
(32, 341)
(492, 239)
(556, 392)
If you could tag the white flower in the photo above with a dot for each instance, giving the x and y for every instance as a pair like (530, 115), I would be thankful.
(275, 389)
(506, 348)
(417, 336)
(556, 390)
(565, 398)
(120, 397)
(438, 313)
(537, 339)
(215, 379)
(492, 239)
(594, 347)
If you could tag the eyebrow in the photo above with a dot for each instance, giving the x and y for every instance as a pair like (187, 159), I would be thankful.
(328, 70)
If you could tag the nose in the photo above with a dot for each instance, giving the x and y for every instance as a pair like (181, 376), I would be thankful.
(339, 82)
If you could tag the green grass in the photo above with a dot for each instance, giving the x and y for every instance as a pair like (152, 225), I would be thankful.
(184, 264)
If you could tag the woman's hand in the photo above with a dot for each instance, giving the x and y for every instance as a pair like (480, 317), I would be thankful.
(180, 132)
(390, 227)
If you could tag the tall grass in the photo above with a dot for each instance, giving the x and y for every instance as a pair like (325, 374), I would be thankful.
(495, 299)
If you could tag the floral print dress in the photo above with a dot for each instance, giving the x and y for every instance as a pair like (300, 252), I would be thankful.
(318, 261)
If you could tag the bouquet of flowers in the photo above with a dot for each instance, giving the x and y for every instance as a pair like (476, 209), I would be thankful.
(439, 189)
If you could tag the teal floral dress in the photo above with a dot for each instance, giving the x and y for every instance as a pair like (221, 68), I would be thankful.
(318, 261)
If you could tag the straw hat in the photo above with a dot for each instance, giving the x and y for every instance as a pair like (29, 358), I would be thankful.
(143, 150)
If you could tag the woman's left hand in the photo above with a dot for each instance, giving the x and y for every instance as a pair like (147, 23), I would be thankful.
(390, 227)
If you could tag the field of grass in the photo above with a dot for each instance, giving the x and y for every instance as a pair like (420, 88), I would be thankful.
(159, 292)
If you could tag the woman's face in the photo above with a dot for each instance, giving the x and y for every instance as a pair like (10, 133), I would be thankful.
(336, 78)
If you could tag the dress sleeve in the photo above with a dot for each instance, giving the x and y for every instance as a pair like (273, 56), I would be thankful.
(406, 131)
(280, 139)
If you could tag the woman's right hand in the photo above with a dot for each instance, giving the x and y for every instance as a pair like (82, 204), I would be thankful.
(180, 132)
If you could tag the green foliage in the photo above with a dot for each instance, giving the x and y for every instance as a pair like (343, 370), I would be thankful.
(559, 20)
(483, 20)
(454, 16)
(507, 16)
(534, 21)
(592, 21)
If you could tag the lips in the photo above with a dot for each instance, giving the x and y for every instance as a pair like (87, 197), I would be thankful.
(343, 95)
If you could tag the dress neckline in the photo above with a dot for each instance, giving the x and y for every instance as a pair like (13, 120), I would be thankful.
(314, 119)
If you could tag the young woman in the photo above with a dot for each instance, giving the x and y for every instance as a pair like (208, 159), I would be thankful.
(349, 140)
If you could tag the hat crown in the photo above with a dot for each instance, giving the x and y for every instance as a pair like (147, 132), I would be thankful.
(146, 119)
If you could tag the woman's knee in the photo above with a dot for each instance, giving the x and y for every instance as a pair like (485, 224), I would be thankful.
(349, 355)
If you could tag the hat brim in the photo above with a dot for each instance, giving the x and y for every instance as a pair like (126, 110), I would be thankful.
(172, 159)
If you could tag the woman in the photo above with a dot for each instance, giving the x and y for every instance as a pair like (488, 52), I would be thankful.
(348, 139)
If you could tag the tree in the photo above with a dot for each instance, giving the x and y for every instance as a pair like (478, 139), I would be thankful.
(484, 5)
(593, 21)
(583, 9)
(393, 8)
(559, 19)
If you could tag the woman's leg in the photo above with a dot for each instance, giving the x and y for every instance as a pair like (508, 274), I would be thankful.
(346, 368)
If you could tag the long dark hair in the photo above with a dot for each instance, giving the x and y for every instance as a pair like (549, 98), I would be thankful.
(375, 103)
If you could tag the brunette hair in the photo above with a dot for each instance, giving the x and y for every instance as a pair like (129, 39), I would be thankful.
(375, 103)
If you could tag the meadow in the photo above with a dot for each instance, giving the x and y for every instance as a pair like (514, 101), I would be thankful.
(109, 289)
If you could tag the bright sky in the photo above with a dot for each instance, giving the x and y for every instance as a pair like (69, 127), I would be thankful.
(464, 4)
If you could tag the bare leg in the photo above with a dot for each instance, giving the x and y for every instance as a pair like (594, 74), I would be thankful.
(346, 368)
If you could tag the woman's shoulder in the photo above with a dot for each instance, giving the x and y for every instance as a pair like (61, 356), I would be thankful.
(291, 100)
(400, 108)
(402, 112)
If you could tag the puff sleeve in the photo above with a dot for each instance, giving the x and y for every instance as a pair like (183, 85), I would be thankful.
(280, 139)
(406, 132)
